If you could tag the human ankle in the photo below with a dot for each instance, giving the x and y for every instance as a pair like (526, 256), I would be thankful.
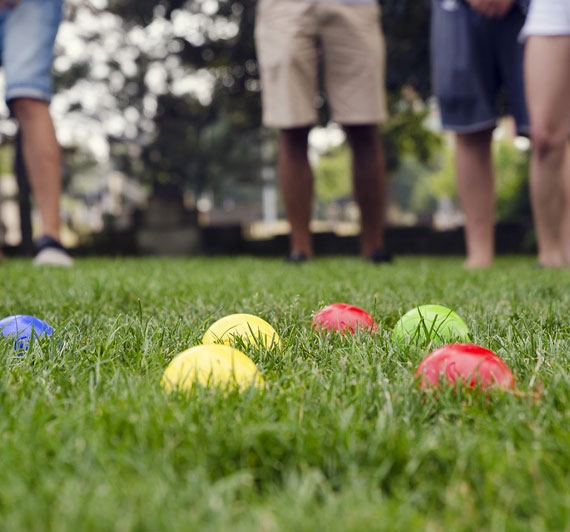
(478, 262)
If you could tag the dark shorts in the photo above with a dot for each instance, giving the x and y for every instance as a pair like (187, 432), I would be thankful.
(477, 67)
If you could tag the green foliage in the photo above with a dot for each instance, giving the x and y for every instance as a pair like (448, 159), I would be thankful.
(6, 159)
(333, 174)
(511, 183)
(178, 150)
(406, 25)
(340, 439)
(405, 183)
(197, 143)
(435, 185)
(404, 133)
(512, 189)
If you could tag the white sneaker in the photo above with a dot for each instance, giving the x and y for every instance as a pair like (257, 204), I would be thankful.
(49, 252)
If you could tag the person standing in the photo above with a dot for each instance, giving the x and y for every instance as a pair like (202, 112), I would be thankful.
(476, 56)
(28, 30)
(547, 76)
(294, 38)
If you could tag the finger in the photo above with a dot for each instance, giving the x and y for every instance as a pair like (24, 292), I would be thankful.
(486, 11)
(503, 11)
(493, 10)
(503, 7)
(484, 8)
(498, 12)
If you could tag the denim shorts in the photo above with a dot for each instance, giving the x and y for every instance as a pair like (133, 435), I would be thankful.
(477, 67)
(27, 37)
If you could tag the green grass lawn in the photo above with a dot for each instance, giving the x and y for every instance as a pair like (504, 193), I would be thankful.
(341, 438)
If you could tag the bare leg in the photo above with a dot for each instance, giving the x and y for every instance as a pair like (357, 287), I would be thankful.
(297, 186)
(369, 184)
(475, 182)
(547, 76)
(42, 156)
(565, 222)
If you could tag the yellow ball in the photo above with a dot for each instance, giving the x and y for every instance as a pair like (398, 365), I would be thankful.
(217, 366)
(248, 327)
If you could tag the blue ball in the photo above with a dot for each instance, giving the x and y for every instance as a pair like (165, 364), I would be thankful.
(25, 329)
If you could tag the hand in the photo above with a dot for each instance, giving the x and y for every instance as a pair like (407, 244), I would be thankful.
(10, 4)
(492, 8)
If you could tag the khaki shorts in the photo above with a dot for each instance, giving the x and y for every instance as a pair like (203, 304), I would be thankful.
(291, 37)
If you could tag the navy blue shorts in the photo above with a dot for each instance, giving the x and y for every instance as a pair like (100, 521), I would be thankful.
(477, 67)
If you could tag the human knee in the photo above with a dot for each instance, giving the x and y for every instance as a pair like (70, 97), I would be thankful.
(546, 140)
(295, 139)
(475, 140)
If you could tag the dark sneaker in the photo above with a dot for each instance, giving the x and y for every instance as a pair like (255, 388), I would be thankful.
(297, 257)
(380, 256)
(50, 252)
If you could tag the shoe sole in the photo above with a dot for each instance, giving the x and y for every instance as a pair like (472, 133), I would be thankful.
(53, 257)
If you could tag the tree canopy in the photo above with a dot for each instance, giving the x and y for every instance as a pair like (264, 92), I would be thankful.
(175, 85)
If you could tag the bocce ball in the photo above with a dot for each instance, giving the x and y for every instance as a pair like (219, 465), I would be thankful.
(24, 329)
(342, 317)
(250, 328)
(469, 363)
(430, 322)
(214, 366)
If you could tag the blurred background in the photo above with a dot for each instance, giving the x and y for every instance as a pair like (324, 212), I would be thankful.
(158, 110)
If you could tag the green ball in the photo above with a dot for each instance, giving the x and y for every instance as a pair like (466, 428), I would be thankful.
(429, 323)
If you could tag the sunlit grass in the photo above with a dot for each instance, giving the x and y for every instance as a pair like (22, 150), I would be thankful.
(340, 438)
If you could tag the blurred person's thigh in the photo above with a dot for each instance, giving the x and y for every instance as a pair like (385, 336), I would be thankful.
(28, 38)
(354, 61)
(470, 68)
(547, 30)
(287, 51)
(548, 80)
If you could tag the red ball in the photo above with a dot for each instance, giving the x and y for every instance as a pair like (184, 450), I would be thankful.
(472, 364)
(342, 317)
